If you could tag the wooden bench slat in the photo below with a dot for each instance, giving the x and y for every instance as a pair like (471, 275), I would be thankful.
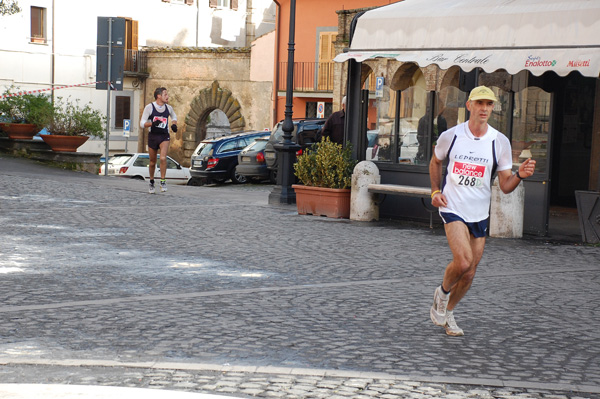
(398, 189)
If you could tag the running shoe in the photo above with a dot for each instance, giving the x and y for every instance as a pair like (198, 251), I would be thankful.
(163, 186)
(151, 188)
(438, 309)
(451, 327)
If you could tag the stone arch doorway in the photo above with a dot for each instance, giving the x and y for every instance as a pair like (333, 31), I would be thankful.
(208, 100)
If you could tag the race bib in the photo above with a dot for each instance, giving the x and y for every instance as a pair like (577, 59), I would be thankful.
(163, 121)
(467, 174)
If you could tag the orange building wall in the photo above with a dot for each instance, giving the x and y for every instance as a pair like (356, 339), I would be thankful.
(310, 15)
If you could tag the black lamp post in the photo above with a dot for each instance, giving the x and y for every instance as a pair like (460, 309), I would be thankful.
(286, 151)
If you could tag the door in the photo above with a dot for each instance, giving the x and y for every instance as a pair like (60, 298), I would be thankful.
(572, 152)
(552, 122)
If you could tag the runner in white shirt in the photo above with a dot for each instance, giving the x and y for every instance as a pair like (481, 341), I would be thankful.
(475, 152)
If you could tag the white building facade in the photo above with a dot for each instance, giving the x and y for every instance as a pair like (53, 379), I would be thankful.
(50, 44)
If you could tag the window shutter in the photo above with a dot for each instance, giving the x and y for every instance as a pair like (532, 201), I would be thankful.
(212, 3)
(326, 55)
(234, 4)
(134, 35)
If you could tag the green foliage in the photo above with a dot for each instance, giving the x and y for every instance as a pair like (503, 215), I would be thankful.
(27, 108)
(325, 164)
(71, 119)
(9, 7)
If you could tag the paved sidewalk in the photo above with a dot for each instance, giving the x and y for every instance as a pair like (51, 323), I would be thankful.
(209, 290)
(53, 391)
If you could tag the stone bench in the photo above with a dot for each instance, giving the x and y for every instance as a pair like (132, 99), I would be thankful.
(408, 191)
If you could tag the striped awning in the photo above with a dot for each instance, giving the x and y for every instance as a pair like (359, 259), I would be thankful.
(512, 35)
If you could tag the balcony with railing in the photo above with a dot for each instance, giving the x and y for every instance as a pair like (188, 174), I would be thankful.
(312, 77)
(136, 63)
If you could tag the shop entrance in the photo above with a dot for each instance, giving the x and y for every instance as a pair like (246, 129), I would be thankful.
(557, 133)
(571, 152)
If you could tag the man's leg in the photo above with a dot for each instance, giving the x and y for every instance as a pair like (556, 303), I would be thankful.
(164, 149)
(458, 237)
(467, 251)
(152, 164)
(151, 168)
(462, 285)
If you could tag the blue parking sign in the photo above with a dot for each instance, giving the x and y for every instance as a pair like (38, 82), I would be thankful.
(379, 81)
(126, 127)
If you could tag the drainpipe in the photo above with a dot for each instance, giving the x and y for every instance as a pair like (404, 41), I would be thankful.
(276, 80)
(197, 20)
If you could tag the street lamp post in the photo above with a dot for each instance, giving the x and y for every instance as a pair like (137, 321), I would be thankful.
(286, 151)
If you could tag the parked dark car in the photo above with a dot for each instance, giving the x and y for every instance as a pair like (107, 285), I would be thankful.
(252, 164)
(306, 133)
(214, 160)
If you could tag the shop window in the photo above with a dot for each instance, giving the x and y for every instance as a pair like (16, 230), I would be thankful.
(38, 25)
(531, 127)
(413, 107)
(401, 144)
(380, 133)
(451, 106)
(499, 119)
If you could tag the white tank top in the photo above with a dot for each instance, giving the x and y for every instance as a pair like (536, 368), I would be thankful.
(471, 160)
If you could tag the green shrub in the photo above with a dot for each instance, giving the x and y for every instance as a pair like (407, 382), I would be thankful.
(325, 164)
(71, 119)
(27, 108)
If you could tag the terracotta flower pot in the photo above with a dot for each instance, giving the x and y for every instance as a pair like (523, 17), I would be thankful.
(60, 143)
(320, 201)
(20, 131)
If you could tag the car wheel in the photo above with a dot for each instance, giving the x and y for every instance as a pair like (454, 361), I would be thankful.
(236, 178)
(138, 178)
(196, 181)
(273, 176)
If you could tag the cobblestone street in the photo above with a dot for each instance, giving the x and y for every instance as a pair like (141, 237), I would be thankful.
(210, 289)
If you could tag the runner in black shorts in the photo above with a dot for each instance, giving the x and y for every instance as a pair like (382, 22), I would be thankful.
(156, 116)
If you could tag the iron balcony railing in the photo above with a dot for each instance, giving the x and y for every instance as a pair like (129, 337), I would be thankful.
(308, 76)
(136, 62)
(314, 77)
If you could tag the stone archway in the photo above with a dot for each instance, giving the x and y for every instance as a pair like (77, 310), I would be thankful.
(202, 105)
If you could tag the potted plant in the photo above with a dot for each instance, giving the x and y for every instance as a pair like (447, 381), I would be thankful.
(325, 171)
(72, 124)
(24, 115)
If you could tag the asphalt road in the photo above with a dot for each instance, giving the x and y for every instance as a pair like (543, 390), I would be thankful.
(210, 289)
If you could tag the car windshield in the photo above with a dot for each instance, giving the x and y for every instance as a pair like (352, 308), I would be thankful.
(257, 145)
(119, 159)
(205, 149)
(278, 134)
